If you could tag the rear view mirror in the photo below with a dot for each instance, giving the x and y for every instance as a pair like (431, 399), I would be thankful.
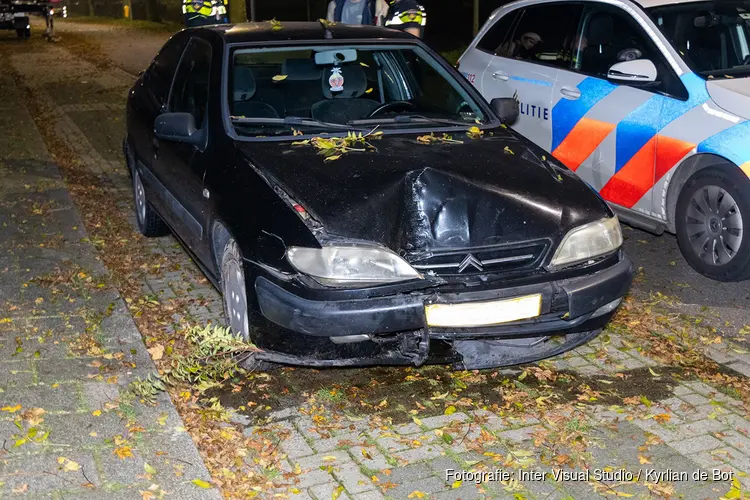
(506, 108)
(637, 70)
(177, 127)
(335, 57)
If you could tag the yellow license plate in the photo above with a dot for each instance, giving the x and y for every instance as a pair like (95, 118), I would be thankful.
(488, 313)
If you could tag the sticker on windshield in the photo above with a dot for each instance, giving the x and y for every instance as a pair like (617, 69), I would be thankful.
(745, 15)
(336, 80)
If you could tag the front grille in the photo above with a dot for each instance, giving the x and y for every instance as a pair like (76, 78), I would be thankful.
(483, 260)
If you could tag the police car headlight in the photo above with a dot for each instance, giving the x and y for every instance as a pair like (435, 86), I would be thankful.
(587, 242)
(351, 265)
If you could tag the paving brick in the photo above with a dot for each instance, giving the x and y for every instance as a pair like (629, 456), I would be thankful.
(43, 474)
(377, 460)
(353, 480)
(741, 367)
(697, 444)
(427, 485)
(295, 445)
(465, 492)
(424, 452)
(325, 491)
(440, 421)
(519, 435)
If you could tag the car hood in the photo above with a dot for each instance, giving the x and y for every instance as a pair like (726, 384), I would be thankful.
(731, 94)
(416, 198)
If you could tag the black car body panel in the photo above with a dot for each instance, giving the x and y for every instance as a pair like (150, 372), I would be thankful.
(497, 199)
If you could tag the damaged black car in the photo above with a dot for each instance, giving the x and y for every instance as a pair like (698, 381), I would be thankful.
(357, 202)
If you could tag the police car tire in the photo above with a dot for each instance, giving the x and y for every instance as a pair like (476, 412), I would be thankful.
(736, 184)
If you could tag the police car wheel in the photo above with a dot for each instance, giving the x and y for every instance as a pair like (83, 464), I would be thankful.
(712, 219)
(149, 222)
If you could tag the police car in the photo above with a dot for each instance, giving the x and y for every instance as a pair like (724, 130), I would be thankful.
(648, 102)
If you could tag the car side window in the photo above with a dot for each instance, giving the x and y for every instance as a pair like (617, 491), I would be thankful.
(158, 77)
(190, 88)
(542, 34)
(498, 33)
(608, 35)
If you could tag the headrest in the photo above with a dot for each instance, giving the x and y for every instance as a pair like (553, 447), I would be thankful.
(300, 69)
(600, 30)
(341, 82)
(244, 83)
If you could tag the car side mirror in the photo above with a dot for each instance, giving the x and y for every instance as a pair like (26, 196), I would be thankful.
(635, 71)
(177, 127)
(506, 108)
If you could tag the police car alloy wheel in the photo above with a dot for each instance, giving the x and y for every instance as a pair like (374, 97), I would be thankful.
(712, 219)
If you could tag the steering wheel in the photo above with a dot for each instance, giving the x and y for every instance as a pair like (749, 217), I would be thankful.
(464, 105)
(391, 105)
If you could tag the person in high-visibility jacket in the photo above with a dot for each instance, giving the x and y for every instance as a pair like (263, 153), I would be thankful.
(222, 16)
(199, 12)
(407, 15)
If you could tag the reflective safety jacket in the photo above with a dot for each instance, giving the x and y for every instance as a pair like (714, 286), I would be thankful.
(199, 12)
(404, 14)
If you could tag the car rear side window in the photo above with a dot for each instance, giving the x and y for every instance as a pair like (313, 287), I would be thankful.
(158, 78)
(498, 34)
(543, 34)
(190, 88)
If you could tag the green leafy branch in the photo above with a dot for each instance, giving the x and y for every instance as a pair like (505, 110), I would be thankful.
(333, 147)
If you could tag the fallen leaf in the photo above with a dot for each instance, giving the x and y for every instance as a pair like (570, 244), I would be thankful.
(456, 484)
(11, 409)
(201, 483)
(416, 494)
(156, 352)
(123, 452)
(368, 91)
(279, 78)
(337, 492)
(148, 468)
(332, 158)
(22, 488)
(96, 413)
(450, 410)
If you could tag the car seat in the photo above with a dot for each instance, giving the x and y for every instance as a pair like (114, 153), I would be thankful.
(599, 55)
(244, 90)
(347, 104)
(301, 88)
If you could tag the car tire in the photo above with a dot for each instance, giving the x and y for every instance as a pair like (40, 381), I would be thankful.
(234, 294)
(21, 33)
(27, 33)
(149, 222)
(712, 210)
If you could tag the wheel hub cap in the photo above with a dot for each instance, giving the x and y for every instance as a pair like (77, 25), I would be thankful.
(140, 198)
(234, 291)
(714, 225)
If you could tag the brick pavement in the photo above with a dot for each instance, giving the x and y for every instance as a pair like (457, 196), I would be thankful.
(363, 456)
(69, 349)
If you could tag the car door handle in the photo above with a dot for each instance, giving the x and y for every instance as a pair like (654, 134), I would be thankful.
(500, 75)
(570, 92)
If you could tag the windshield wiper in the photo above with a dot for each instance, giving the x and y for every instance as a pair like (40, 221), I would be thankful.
(291, 120)
(414, 119)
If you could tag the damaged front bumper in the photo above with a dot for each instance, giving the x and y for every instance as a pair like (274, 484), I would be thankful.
(394, 329)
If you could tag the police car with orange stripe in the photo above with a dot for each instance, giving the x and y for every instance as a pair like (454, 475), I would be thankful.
(648, 102)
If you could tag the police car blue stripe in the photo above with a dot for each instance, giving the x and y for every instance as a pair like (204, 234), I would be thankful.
(531, 80)
(649, 118)
(731, 143)
(567, 113)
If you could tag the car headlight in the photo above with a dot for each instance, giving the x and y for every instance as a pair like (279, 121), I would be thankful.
(351, 265)
(587, 242)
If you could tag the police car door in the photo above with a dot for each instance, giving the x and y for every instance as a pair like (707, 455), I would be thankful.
(526, 63)
(607, 130)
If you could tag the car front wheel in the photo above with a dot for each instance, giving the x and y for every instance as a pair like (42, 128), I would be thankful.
(149, 222)
(713, 211)
(234, 293)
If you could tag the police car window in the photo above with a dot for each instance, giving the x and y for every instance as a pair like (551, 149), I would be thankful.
(498, 33)
(543, 34)
(159, 76)
(712, 37)
(608, 35)
(190, 89)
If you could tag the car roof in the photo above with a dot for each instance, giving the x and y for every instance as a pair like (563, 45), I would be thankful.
(307, 31)
(647, 4)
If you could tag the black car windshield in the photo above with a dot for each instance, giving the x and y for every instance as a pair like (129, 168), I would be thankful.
(712, 37)
(275, 91)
